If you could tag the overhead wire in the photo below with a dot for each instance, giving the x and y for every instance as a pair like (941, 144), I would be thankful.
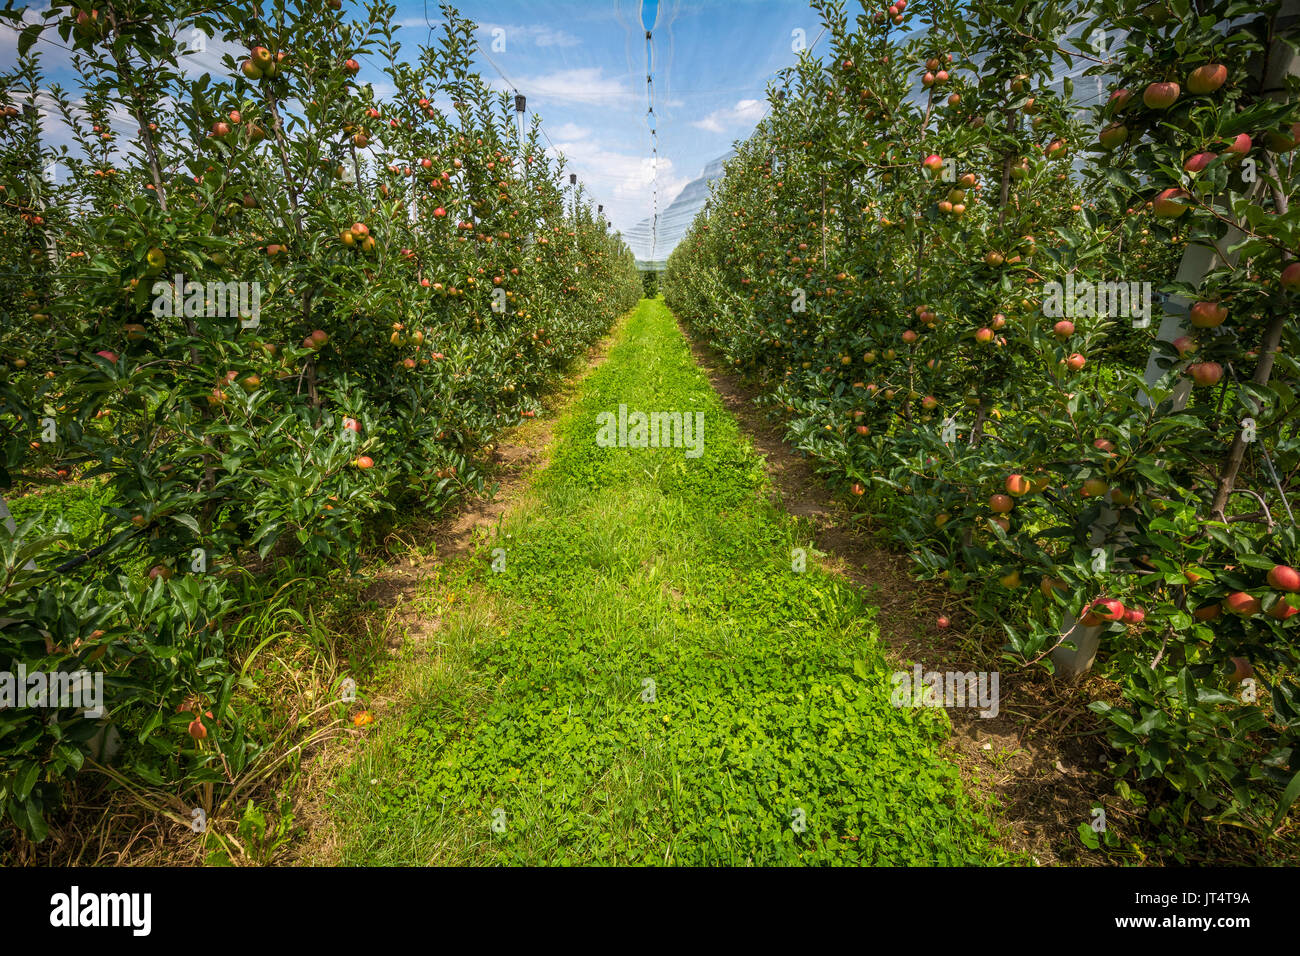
(654, 139)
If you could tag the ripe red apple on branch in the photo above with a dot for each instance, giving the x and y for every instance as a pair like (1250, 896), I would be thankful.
(1094, 488)
(1284, 578)
(1240, 602)
(1240, 146)
(1282, 611)
(1113, 136)
(1161, 95)
(1207, 315)
(1103, 610)
(1206, 79)
(1290, 277)
(1169, 204)
(1241, 669)
(1205, 374)
(1001, 503)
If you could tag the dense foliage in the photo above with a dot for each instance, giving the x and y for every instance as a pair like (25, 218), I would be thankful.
(421, 271)
(880, 256)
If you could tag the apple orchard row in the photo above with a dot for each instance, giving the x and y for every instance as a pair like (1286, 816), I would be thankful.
(920, 190)
(423, 272)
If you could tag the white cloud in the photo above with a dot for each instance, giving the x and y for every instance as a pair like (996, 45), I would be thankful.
(537, 34)
(623, 182)
(586, 85)
(745, 112)
(570, 131)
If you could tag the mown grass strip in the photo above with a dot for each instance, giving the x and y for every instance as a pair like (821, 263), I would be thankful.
(649, 680)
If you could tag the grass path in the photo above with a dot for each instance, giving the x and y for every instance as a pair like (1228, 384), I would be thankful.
(647, 679)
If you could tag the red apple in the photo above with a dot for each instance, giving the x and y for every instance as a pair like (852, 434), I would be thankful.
(1207, 315)
(1285, 578)
(1001, 503)
(1207, 78)
(1076, 362)
(1064, 329)
(1239, 602)
(1101, 610)
(1169, 205)
(1199, 161)
(1205, 373)
(1241, 669)
(1240, 146)
(1207, 613)
(1290, 277)
(1160, 96)
(1281, 610)
(1093, 488)
(1108, 609)
(1113, 136)
(1017, 485)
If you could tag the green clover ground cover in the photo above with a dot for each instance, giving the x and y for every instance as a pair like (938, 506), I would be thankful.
(770, 738)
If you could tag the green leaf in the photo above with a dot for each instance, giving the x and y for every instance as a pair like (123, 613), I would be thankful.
(25, 779)
(1288, 797)
(35, 823)
(189, 521)
(28, 37)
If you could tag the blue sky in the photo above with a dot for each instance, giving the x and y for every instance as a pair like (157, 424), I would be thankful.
(582, 66)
